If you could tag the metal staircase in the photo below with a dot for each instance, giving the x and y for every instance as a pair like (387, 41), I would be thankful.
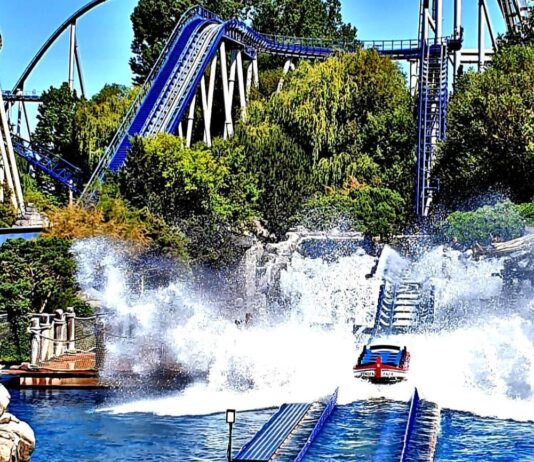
(48, 162)
(403, 306)
(432, 120)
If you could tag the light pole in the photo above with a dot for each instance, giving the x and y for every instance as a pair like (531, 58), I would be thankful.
(230, 419)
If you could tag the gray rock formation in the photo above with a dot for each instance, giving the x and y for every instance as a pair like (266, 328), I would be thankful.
(17, 440)
(259, 270)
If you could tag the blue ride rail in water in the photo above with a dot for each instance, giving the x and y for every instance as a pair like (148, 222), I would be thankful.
(266, 444)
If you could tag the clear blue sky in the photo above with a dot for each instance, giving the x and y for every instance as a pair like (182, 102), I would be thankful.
(105, 34)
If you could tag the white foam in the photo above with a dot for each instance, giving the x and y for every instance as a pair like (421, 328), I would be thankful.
(483, 362)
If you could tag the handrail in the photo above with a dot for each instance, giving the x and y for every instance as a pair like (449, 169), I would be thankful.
(410, 425)
(327, 412)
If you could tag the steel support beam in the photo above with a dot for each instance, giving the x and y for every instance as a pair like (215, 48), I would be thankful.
(228, 123)
(241, 86)
(458, 33)
(9, 162)
(79, 69)
(72, 53)
(190, 120)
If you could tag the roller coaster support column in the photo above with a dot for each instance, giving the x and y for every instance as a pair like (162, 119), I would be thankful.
(484, 21)
(437, 14)
(190, 120)
(287, 67)
(207, 100)
(241, 85)
(228, 124)
(9, 165)
(72, 54)
(413, 77)
(457, 34)
(252, 74)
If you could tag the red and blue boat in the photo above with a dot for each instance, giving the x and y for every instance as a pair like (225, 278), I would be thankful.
(382, 364)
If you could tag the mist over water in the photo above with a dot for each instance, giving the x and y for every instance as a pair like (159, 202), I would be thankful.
(477, 358)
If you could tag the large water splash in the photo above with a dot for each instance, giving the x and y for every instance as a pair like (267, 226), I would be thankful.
(479, 361)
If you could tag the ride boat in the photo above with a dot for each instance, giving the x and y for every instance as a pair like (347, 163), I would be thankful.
(382, 364)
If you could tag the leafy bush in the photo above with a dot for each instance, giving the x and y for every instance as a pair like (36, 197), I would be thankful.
(359, 207)
(111, 216)
(8, 214)
(500, 222)
(527, 212)
(177, 182)
(490, 140)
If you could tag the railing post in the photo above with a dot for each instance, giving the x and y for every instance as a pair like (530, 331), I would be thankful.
(100, 342)
(46, 334)
(35, 332)
(59, 332)
(71, 329)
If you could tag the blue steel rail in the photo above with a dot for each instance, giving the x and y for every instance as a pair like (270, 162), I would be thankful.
(410, 425)
(327, 412)
(48, 162)
(264, 445)
(267, 441)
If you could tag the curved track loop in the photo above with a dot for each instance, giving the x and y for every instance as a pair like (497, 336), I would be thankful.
(33, 63)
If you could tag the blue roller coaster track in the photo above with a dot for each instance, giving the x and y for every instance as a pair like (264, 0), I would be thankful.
(45, 160)
(172, 83)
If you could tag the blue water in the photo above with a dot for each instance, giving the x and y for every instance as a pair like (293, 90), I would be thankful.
(68, 429)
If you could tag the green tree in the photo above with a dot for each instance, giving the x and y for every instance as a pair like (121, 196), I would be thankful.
(283, 169)
(303, 18)
(55, 130)
(55, 121)
(97, 120)
(375, 211)
(490, 139)
(353, 114)
(176, 182)
(35, 276)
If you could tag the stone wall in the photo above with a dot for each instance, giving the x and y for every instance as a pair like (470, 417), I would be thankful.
(17, 440)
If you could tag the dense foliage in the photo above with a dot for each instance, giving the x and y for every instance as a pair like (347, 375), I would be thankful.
(111, 217)
(96, 122)
(303, 18)
(485, 225)
(490, 140)
(8, 214)
(35, 276)
(348, 117)
(207, 192)
(355, 206)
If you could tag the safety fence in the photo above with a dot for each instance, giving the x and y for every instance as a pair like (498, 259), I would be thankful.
(63, 340)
